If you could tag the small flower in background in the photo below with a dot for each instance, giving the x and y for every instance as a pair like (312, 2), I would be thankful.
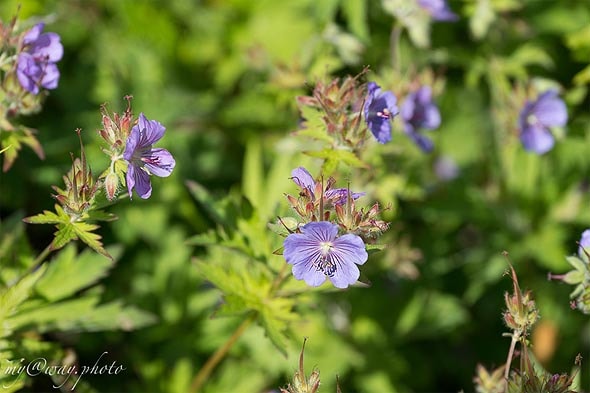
(584, 244)
(439, 10)
(446, 168)
(36, 63)
(380, 108)
(419, 111)
(536, 119)
(143, 159)
(318, 252)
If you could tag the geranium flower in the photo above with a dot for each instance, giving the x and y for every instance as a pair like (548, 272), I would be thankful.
(584, 244)
(439, 10)
(36, 63)
(419, 112)
(143, 159)
(380, 108)
(318, 253)
(536, 119)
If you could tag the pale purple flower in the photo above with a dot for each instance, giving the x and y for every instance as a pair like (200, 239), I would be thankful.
(584, 243)
(439, 10)
(536, 119)
(380, 108)
(446, 168)
(143, 159)
(338, 196)
(419, 112)
(36, 63)
(318, 252)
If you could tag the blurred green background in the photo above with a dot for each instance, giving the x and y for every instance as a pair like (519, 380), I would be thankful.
(222, 76)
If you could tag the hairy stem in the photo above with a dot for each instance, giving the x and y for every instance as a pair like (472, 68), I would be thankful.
(509, 359)
(208, 367)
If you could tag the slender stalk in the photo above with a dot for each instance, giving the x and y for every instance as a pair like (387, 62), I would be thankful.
(206, 370)
(509, 359)
(394, 46)
(41, 257)
(36, 264)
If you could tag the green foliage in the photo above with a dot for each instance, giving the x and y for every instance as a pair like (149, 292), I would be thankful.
(203, 253)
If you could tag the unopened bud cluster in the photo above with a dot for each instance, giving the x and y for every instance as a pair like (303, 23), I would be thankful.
(80, 188)
(319, 200)
(300, 383)
(521, 311)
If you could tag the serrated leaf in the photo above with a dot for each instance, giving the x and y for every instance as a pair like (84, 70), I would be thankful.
(47, 217)
(313, 125)
(15, 138)
(84, 232)
(65, 233)
(339, 156)
(68, 273)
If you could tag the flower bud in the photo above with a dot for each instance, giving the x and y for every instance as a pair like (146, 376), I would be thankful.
(111, 185)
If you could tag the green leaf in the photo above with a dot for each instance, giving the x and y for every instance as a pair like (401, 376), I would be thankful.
(65, 234)
(334, 157)
(47, 217)
(253, 173)
(208, 202)
(314, 126)
(355, 12)
(482, 18)
(68, 273)
(12, 297)
(577, 263)
(574, 277)
(84, 232)
(83, 314)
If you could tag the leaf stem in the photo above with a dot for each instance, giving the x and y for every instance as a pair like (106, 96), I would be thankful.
(41, 257)
(35, 265)
(206, 370)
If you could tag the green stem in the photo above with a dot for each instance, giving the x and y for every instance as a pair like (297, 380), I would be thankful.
(509, 359)
(41, 257)
(394, 46)
(214, 360)
(36, 264)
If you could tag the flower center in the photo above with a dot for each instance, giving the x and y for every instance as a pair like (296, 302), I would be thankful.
(325, 264)
(532, 119)
(325, 248)
(384, 114)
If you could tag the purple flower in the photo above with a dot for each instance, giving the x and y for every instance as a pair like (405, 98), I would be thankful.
(419, 111)
(446, 169)
(584, 243)
(318, 252)
(380, 108)
(36, 63)
(143, 159)
(537, 117)
(439, 10)
(338, 196)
